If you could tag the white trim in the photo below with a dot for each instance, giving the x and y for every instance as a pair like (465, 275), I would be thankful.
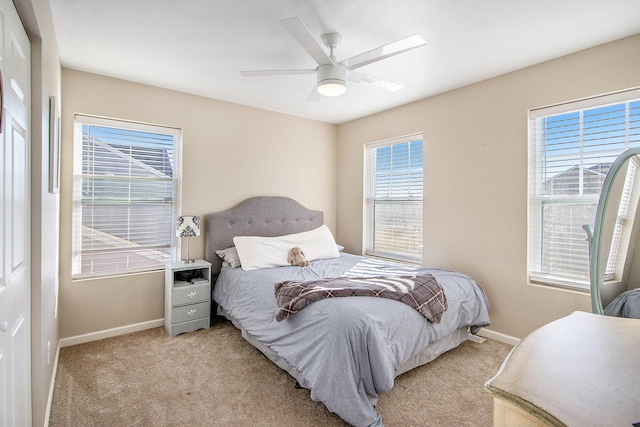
(537, 278)
(585, 103)
(392, 141)
(498, 336)
(128, 124)
(52, 385)
(113, 332)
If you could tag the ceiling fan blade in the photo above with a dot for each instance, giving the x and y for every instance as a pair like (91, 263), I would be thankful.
(370, 81)
(302, 34)
(383, 52)
(257, 73)
(314, 95)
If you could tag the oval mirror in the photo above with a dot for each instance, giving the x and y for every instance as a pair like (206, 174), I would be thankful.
(614, 241)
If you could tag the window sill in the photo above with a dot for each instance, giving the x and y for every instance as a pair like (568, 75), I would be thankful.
(411, 261)
(582, 286)
(113, 275)
(608, 283)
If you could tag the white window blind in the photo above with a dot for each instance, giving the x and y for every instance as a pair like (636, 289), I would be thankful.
(124, 196)
(394, 196)
(572, 147)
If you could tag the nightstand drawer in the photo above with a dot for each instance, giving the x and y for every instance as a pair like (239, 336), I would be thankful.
(190, 312)
(190, 294)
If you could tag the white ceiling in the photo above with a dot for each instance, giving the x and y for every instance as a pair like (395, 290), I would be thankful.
(200, 46)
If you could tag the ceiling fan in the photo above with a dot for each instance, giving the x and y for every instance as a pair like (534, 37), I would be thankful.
(331, 74)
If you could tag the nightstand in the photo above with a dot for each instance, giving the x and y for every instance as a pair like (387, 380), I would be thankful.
(187, 296)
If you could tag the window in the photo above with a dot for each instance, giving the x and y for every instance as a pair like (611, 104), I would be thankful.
(393, 198)
(572, 147)
(125, 181)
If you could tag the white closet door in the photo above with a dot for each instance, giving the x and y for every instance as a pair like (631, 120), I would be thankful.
(15, 191)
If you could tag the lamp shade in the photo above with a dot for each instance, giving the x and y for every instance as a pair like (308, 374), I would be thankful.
(188, 226)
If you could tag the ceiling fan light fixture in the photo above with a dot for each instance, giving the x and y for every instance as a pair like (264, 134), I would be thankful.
(332, 87)
(332, 79)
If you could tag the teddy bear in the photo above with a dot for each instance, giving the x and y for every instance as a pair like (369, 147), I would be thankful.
(296, 257)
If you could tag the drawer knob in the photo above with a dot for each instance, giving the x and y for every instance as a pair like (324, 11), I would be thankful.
(192, 295)
(191, 312)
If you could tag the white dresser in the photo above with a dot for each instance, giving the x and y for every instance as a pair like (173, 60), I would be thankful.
(581, 370)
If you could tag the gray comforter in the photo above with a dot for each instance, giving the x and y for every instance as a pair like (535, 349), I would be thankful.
(627, 304)
(347, 349)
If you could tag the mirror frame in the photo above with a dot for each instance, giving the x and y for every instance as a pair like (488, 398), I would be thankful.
(594, 236)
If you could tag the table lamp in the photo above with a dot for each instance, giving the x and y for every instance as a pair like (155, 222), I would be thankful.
(188, 226)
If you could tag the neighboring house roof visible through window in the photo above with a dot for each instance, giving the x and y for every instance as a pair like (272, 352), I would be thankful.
(568, 181)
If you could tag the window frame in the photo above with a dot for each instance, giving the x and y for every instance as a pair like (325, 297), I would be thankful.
(534, 182)
(369, 204)
(176, 174)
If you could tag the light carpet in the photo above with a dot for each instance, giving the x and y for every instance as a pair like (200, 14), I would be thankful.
(213, 377)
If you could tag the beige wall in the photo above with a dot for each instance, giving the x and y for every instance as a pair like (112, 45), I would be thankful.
(230, 152)
(475, 214)
(475, 177)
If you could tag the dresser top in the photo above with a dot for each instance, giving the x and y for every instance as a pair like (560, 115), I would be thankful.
(583, 369)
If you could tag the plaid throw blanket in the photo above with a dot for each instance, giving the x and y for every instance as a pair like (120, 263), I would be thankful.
(421, 292)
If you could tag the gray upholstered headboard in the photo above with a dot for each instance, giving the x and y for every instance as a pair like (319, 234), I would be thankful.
(257, 216)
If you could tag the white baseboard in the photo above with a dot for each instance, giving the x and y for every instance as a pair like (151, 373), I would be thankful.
(497, 336)
(108, 333)
(52, 384)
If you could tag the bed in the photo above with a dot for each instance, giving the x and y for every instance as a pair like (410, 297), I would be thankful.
(344, 350)
(627, 304)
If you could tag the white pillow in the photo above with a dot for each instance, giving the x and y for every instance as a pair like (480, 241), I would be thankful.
(266, 252)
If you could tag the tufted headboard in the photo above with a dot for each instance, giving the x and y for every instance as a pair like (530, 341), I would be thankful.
(257, 216)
